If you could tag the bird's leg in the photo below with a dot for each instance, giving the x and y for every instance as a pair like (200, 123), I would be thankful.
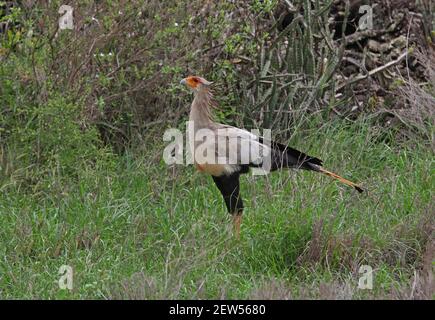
(237, 221)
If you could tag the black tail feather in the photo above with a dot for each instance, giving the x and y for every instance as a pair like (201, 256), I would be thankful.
(287, 157)
(301, 157)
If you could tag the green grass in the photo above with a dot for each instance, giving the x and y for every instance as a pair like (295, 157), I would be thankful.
(139, 229)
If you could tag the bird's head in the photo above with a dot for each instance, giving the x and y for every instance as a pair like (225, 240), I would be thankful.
(195, 83)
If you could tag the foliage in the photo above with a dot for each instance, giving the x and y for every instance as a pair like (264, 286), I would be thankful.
(141, 230)
(82, 182)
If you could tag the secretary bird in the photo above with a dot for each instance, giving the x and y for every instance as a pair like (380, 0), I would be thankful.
(248, 150)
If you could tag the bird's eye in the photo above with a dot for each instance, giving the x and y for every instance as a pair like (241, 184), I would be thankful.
(195, 80)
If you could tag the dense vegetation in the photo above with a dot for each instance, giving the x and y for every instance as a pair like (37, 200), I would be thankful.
(83, 183)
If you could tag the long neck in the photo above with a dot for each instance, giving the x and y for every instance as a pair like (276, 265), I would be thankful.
(200, 111)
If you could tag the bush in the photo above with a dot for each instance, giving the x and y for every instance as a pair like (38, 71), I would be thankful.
(116, 74)
(48, 144)
(43, 137)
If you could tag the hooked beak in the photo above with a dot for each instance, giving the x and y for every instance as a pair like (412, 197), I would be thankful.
(183, 81)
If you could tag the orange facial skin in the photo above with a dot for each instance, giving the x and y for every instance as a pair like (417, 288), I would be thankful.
(193, 81)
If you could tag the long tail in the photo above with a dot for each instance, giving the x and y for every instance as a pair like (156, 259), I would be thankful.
(287, 157)
(341, 179)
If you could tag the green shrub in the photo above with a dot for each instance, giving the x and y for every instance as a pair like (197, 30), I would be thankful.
(51, 142)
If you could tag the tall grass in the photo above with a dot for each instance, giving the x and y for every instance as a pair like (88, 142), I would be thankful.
(136, 228)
